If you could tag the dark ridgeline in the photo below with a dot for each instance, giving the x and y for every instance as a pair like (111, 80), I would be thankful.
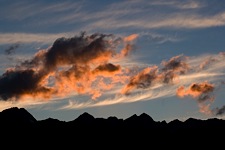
(17, 118)
(16, 122)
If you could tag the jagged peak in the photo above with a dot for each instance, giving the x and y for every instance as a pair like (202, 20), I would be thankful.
(175, 121)
(15, 113)
(146, 116)
(85, 116)
(132, 117)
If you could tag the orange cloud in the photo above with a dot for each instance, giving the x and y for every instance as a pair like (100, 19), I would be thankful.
(130, 37)
(202, 92)
(143, 79)
(80, 64)
(151, 75)
(128, 46)
(196, 90)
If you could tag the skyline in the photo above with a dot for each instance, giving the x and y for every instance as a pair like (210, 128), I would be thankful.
(117, 58)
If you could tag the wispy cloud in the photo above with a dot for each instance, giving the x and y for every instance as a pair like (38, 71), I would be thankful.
(8, 38)
(118, 99)
(189, 21)
(190, 5)
(213, 73)
(83, 13)
(48, 38)
(21, 10)
(153, 93)
(141, 14)
(158, 38)
(138, 16)
(178, 4)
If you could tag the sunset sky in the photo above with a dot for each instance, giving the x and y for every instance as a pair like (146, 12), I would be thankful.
(113, 58)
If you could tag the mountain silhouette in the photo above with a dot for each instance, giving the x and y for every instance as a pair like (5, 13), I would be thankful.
(143, 120)
(20, 117)
(16, 118)
(16, 122)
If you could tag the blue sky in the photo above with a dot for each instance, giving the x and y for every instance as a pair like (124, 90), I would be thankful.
(164, 31)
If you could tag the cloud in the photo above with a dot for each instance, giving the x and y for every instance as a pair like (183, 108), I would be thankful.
(202, 92)
(178, 4)
(143, 79)
(182, 20)
(11, 49)
(219, 111)
(92, 66)
(106, 69)
(145, 95)
(123, 16)
(154, 92)
(152, 75)
(158, 38)
(197, 90)
(207, 62)
(148, 83)
(8, 38)
(74, 64)
(115, 15)
(22, 10)
(191, 5)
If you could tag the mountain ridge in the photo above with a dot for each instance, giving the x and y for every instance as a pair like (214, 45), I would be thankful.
(17, 112)
(21, 115)
(17, 123)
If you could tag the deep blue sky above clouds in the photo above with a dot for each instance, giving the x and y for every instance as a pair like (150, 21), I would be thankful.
(166, 31)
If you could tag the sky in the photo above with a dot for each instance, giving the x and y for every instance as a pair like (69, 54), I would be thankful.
(118, 58)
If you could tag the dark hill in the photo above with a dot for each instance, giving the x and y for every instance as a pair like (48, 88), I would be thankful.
(17, 118)
(17, 121)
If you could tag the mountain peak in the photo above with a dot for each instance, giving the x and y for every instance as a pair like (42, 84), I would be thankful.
(85, 117)
(15, 116)
(133, 117)
(146, 117)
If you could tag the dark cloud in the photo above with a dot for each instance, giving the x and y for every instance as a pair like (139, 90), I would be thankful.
(16, 83)
(143, 79)
(74, 64)
(219, 111)
(176, 64)
(148, 76)
(11, 49)
(109, 68)
(202, 87)
(78, 50)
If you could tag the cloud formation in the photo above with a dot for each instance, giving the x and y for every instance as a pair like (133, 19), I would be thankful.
(91, 65)
(114, 15)
(9, 38)
(153, 75)
(192, 21)
(74, 64)
(11, 49)
(196, 90)
(202, 92)
(181, 75)
(219, 111)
